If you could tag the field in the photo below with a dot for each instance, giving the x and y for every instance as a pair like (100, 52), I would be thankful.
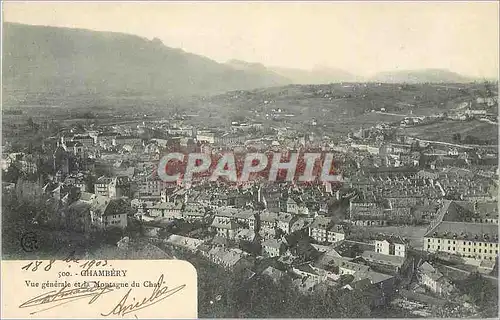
(337, 108)
(444, 131)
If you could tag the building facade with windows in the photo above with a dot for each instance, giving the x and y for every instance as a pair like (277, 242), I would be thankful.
(466, 239)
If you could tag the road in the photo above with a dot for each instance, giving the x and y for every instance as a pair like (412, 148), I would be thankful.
(400, 115)
(488, 121)
(468, 146)
(447, 87)
(491, 278)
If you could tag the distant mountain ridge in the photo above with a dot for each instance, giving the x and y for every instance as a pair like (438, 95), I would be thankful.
(324, 75)
(72, 61)
(420, 76)
(317, 75)
(65, 62)
(259, 68)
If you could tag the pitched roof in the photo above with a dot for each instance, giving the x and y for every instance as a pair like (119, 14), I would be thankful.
(426, 267)
(326, 223)
(167, 206)
(225, 211)
(71, 144)
(246, 234)
(107, 207)
(464, 230)
(82, 137)
(87, 196)
(99, 204)
(374, 277)
(394, 239)
(117, 206)
(274, 273)
(194, 207)
(487, 209)
(187, 242)
(383, 258)
(120, 181)
(232, 256)
(244, 214)
(300, 223)
(103, 180)
(150, 251)
(456, 210)
(306, 268)
(223, 224)
(321, 248)
(107, 134)
(268, 216)
(284, 217)
(193, 213)
(204, 248)
(305, 284)
(79, 206)
(273, 243)
(219, 241)
(347, 264)
(360, 283)
(430, 271)
(322, 222)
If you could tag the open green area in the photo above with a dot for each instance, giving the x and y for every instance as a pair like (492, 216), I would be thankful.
(446, 131)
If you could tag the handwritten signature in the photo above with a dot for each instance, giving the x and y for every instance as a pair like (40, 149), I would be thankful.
(56, 298)
(159, 293)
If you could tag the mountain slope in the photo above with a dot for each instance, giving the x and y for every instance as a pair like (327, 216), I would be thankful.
(259, 69)
(318, 75)
(420, 76)
(40, 59)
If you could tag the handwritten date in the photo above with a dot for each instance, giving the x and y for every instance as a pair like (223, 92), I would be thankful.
(87, 265)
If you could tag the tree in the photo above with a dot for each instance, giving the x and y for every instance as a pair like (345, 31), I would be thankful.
(354, 304)
(482, 293)
(79, 127)
(472, 140)
(90, 180)
(30, 123)
(238, 118)
(487, 87)
(88, 115)
(457, 137)
(112, 235)
(164, 233)
(135, 227)
(345, 279)
(12, 174)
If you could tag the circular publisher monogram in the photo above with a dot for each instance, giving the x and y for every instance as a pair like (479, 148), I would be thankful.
(29, 241)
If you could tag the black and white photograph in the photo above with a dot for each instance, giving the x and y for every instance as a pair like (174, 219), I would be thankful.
(329, 159)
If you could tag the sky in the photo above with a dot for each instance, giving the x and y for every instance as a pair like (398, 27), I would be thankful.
(360, 37)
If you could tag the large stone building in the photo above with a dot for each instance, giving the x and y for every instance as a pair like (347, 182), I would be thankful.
(107, 213)
(466, 239)
(324, 230)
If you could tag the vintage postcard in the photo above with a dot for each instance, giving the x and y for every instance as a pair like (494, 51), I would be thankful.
(90, 289)
(183, 160)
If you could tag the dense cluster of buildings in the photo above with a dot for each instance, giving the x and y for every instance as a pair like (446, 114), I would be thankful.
(106, 178)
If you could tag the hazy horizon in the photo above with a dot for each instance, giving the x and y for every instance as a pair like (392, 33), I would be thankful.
(361, 38)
